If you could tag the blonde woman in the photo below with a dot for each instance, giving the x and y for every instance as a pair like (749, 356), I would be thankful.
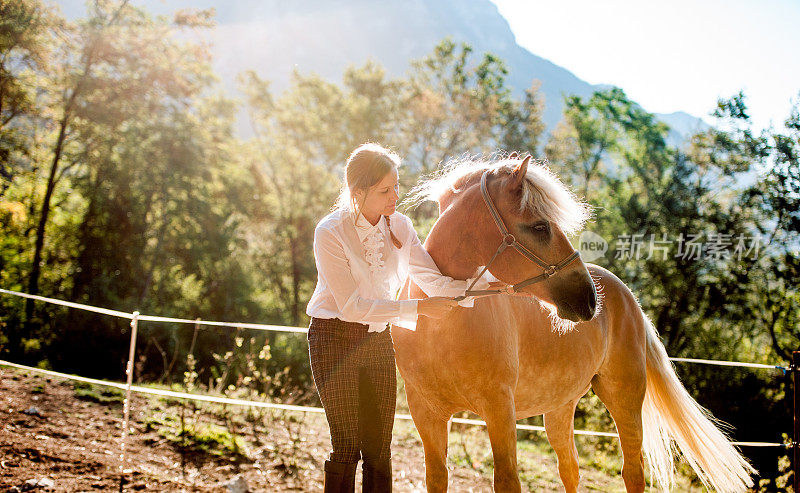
(364, 251)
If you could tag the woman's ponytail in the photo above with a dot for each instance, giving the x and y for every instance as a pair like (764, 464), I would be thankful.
(397, 244)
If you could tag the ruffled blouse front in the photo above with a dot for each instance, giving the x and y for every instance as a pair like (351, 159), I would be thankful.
(373, 239)
(373, 252)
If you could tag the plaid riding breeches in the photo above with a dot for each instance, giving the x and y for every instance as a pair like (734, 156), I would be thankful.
(354, 372)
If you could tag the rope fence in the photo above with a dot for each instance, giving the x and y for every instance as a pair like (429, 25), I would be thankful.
(153, 318)
(289, 407)
(730, 363)
(283, 328)
(128, 387)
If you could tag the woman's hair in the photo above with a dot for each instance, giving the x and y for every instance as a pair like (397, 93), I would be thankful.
(367, 165)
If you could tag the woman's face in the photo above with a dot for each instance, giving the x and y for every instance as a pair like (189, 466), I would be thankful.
(381, 199)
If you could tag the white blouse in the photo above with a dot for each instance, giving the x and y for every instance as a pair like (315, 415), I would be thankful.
(360, 271)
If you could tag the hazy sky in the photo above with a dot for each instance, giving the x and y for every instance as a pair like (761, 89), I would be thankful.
(676, 55)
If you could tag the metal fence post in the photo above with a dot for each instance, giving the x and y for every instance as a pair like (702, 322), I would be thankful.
(127, 407)
(796, 418)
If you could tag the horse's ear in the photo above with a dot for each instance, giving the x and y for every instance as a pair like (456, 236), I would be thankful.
(519, 172)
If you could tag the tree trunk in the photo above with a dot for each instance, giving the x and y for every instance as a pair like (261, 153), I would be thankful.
(33, 281)
(295, 259)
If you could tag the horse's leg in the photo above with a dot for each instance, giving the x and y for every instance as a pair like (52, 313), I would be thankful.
(501, 423)
(560, 425)
(623, 397)
(432, 428)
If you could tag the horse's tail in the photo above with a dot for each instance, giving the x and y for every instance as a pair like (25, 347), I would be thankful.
(670, 413)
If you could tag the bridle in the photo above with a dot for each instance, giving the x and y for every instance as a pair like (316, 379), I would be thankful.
(510, 241)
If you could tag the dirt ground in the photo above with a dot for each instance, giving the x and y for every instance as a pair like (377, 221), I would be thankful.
(48, 433)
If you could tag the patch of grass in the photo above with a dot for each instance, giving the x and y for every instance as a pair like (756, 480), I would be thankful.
(101, 395)
(537, 469)
(469, 447)
(171, 401)
(207, 438)
(602, 454)
(156, 422)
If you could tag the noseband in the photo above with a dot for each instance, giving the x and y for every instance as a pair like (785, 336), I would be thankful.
(510, 241)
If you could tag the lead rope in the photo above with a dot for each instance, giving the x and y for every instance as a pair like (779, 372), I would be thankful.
(483, 292)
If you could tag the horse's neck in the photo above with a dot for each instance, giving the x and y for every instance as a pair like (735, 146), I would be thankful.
(451, 245)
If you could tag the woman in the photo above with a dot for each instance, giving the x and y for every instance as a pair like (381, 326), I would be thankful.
(364, 250)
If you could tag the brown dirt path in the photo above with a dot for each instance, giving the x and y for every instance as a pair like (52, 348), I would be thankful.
(75, 443)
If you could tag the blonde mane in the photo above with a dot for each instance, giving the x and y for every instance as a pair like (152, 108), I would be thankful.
(543, 194)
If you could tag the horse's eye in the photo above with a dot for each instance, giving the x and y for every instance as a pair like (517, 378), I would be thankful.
(540, 227)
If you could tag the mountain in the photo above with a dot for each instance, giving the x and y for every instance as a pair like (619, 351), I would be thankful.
(682, 126)
(274, 37)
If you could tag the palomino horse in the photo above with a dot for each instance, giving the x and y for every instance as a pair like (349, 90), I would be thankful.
(512, 357)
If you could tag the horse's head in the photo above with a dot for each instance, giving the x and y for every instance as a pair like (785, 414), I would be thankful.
(536, 208)
(530, 206)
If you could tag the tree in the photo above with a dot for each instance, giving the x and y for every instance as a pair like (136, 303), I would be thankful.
(581, 144)
(456, 107)
(774, 196)
(26, 29)
(141, 180)
(522, 126)
(70, 83)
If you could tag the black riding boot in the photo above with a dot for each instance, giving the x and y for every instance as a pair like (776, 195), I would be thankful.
(339, 477)
(377, 477)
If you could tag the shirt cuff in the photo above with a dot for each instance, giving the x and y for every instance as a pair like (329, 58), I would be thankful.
(408, 311)
(408, 315)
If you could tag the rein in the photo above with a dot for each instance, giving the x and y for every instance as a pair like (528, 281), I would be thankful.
(510, 241)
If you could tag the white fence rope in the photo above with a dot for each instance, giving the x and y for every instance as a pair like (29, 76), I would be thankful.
(166, 393)
(729, 363)
(104, 311)
(288, 407)
(153, 318)
(283, 328)
(280, 328)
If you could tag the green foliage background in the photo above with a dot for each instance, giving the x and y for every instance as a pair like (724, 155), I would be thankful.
(125, 186)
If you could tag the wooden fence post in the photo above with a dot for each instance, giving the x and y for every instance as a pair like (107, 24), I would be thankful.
(127, 407)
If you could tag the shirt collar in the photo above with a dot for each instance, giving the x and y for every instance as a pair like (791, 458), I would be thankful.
(364, 228)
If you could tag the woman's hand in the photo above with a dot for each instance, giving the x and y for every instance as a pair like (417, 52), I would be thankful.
(435, 307)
